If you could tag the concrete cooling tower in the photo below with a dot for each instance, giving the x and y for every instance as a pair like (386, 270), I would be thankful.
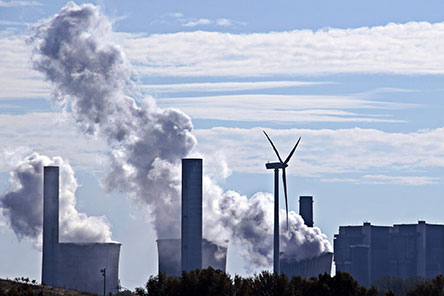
(307, 268)
(169, 251)
(74, 265)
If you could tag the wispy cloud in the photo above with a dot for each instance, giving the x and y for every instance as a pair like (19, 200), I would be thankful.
(327, 153)
(11, 23)
(411, 48)
(19, 3)
(370, 156)
(192, 22)
(52, 134)
(283, 108)
(198, 22)
(227, 86)
(386, 179)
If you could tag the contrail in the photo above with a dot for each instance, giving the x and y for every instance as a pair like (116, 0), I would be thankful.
(91, 80)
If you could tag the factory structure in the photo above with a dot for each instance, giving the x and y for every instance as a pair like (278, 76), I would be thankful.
(86, 267)
(369, 252)
(312, 266)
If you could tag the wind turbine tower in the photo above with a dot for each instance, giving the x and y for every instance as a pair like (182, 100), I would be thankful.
(276, 166)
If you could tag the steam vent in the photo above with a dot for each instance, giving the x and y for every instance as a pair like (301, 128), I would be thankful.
(190, 252)
(74, 265)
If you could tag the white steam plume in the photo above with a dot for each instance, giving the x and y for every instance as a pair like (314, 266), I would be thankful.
(91, 80)
(22, 204)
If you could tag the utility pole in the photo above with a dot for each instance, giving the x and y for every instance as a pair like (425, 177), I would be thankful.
(103, 271)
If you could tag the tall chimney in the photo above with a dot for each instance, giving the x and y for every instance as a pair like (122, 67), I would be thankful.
(50, 223)
(306, 209)
(191, 244)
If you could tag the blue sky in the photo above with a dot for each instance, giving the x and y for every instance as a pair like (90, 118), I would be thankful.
(360, 81)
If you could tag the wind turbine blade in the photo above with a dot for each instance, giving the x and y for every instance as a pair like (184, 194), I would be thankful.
(292, 151)
(284, 179)
(274, 148)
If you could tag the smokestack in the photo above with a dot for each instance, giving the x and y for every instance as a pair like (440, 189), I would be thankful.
(191, 245)
(50, 223)
(306, 209)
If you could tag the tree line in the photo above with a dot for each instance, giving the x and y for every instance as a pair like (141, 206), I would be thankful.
(216, 282)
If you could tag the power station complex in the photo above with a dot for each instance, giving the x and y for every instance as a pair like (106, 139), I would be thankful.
(367, 252)
(370, 252)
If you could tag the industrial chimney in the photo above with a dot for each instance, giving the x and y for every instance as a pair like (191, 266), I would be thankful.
(191, 243)
(50, 224)
(306, 209)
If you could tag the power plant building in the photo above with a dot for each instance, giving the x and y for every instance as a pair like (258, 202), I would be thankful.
(370, 252)
(76, 266)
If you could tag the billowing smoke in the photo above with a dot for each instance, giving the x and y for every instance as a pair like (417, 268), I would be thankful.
(22, 204)
(92, 81)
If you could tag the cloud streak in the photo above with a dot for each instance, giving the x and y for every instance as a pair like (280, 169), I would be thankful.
(284, 108)
(19, 3)
(375, 156)
(411, 48)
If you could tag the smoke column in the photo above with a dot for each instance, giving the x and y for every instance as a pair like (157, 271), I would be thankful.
(92, 81)
(22, 204)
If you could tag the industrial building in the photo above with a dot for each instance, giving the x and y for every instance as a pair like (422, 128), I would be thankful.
(191, 251)
(86, 267)
(309, 267)
(370, 252)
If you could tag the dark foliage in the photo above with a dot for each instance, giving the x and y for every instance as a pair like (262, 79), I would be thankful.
(216, 282)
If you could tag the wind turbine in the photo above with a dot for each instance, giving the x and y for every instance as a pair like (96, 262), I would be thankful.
(276, 166)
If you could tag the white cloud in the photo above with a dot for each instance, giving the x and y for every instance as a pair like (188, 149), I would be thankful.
(226, 86)
(198, 22)
(411, 48)
(52, 134)
(329, 153)
(367, 155)
(19, 3)
(384, 179)
(11, 23)
(282, 108)
(17, 78)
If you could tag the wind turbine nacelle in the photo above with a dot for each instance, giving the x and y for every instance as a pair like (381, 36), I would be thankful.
(275, 165)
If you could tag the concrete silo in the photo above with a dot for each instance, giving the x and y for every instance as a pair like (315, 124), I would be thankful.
(73, 265)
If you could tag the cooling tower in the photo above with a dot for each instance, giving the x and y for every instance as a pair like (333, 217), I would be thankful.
(169, 256)
(191, 245)
(307, 268)
(213, 255)
(168, 251)
(80, 265)
(50, 223)
(73, 265)
(306, 209)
